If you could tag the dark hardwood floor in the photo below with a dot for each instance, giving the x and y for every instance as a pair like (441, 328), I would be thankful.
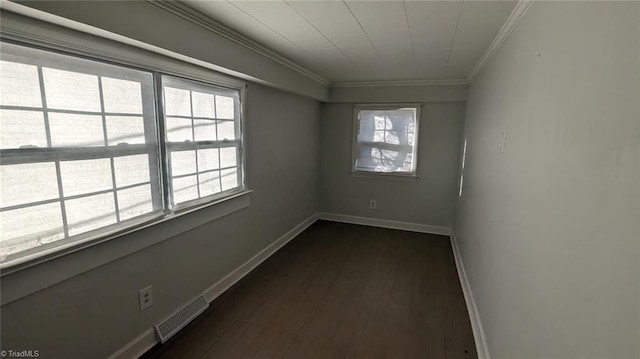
(338, 291)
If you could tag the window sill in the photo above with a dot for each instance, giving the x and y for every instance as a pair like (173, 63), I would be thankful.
(385, 176)
(19, 280)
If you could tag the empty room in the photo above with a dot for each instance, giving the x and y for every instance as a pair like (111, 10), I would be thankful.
(320, 179)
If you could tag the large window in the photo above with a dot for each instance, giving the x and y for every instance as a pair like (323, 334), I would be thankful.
(82, 155)
(386, 139)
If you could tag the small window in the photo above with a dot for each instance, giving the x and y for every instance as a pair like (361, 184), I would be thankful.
(386, 139)
(202, 126)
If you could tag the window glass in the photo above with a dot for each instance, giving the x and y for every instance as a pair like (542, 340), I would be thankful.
(81, 153)
(68, 127)
(22, 128)
(386, 140)
(202, 123)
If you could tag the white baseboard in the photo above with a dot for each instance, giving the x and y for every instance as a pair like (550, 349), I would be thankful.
(145, 341)
(385, 223)
(230, 279)
(474, 316)
(135, 348)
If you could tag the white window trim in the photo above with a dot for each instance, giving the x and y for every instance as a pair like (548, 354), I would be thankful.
(60, 265)
(195, 145)
(354, 142)
(38, 34)
(143, 222)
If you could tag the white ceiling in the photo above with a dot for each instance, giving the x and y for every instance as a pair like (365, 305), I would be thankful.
(369, 40)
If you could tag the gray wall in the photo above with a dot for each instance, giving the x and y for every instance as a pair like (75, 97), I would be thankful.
(548, 230)
(95, 313)
(428, 200)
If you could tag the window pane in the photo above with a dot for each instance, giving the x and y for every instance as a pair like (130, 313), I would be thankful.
(183, 162)
(26, 183)
(185, 189)
(134, 202)
(209, 183)
(378, 136)
(208, 159)
(203, 105)
(22, 128)
(392, 138)
(68, 96)
(87, 213)
(408, 161)
(229, 178)
(370, 159)
(224, 107)
(86, 176)
(227, 157)
(121, 96)
(19, 85)
(29, 227)
(207, 117)
(131, 169)
(178, 129)
(226, 130)
(389, 158)
(125, 129)
(70, 130)
(176, 102)
(386, 140)
(205, 130)
(68, 90)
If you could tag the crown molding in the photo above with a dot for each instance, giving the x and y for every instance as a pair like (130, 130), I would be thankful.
(214, 26)
(518, 12)
(452, 82)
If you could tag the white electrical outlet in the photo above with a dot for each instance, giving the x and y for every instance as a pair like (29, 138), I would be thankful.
(372, 204)
(145, 297)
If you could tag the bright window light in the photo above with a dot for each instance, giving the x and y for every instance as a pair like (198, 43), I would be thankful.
(203, 131)
(81, 157)
(386, 139)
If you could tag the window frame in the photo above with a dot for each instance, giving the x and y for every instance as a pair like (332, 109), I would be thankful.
(413, 175)
(166, 146)
(46, 252)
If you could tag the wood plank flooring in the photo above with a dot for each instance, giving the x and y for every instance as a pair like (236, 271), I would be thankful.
(338, 291)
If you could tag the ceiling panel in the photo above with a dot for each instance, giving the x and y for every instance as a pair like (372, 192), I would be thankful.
(238, 20)
(350, 40)
(478, 25)
(369, 40)
(383, 21)
(434, 69)
(432, 24)
(316, 43)
(272, 13)
(322, 11)
(362, 53)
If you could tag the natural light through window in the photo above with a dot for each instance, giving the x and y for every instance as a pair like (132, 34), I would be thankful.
(386, 139)
(202, 139)
(80, 151)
